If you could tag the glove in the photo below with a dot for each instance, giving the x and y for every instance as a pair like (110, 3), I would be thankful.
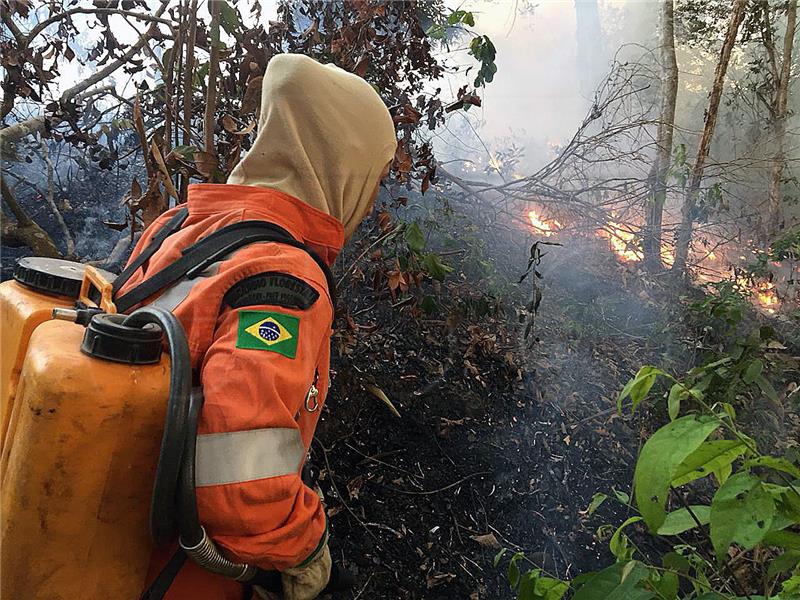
(305, 582)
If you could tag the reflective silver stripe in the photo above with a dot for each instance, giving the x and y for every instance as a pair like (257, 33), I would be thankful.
(179, 291)
(247, 455)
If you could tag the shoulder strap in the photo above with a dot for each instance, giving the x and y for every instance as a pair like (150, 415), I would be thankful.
(212, 248)
(167, 230)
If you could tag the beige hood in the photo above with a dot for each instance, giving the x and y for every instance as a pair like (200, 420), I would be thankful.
(324, 136)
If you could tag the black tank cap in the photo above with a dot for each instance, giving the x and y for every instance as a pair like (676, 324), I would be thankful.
(107, 338)
(53, 276)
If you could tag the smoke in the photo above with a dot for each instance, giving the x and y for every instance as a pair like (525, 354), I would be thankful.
(550, 57)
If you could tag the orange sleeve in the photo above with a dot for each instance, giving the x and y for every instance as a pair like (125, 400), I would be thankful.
(255, 395)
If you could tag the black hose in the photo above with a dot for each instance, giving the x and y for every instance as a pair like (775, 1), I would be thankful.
(191, 532)
(164, 503)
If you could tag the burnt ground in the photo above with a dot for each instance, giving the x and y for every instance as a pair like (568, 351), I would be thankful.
(494, 447)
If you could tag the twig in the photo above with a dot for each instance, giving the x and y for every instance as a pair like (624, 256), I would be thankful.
(357, 596)
(339, 495)
(360, 256)
(447, 487)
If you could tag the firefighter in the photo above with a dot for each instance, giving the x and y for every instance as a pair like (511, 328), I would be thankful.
(259, 321)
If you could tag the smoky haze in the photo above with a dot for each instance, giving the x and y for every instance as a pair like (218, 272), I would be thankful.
(551, 56)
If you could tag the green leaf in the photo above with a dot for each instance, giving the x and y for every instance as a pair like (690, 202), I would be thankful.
(619, 541)
(429, 305)
(618, 582)
(597, 500)
(783, 539)
(499, 556)
(767, 389)
(676, 394)
(659, 460)
(791, 586)
(723, 473)
(784, 563)
(707, 459)
(742, 512)
(788, 504)
(666, 585)
(513, 570)
(622, 496)
(535, 587)
(639, 386)
(186, 152)
(436, 31)
(229, 18)
(753, 371)
(415, 238)
(730, 411)
(676, 562)
(435, 267)
(681, 520)
(774, 462)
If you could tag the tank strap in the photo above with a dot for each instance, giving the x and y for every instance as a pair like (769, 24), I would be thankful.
(170, 227)
(212, 248)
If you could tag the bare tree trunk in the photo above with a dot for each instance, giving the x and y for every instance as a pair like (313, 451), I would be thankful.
(781, 100)
(690, 198)
(69, 242)
(190, 21)
(666, 125)
(211, 89)
(188, 73)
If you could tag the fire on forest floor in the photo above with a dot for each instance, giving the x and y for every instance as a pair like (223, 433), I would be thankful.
(725, 262)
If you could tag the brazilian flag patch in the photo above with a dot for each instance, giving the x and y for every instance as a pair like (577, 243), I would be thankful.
(265, 330)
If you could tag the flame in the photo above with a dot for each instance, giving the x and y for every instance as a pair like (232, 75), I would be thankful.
(766, 296)
(545, 227)
(622, 242)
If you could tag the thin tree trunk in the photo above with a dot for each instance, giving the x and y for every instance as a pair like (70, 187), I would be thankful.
(169, 92)
(690, 198)
(781, 101)
(69, 242)
(666, 125)
(211, 88)
(188, 73)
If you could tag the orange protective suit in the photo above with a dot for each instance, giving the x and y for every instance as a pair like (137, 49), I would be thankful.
(272, 522)
(259, 321)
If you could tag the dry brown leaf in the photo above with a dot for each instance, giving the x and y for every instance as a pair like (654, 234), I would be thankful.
(205, 162)
(378, 393)
(252, 95)
(362, 66)
(354, 487)
(164, 171)
(487, 540)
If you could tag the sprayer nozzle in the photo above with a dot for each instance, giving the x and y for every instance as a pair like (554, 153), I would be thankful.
(65, 314)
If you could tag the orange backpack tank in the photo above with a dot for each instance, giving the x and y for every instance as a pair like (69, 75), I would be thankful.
(81, 438)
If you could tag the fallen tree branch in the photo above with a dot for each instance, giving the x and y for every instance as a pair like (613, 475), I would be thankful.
(25, 232)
